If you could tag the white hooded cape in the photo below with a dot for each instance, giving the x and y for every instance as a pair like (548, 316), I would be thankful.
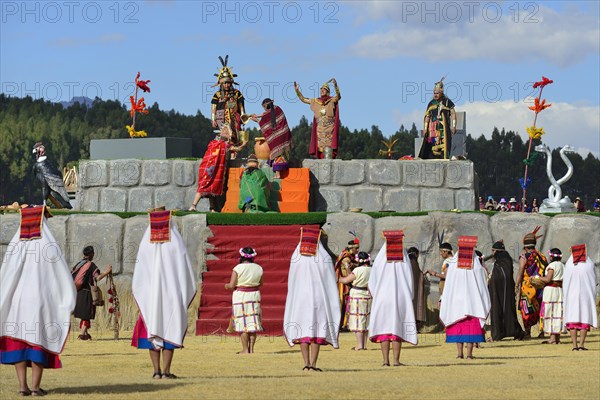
(465, 293)
(391, 285)
(312, 307)
(37, 293)
(579, 293)
(163, 286)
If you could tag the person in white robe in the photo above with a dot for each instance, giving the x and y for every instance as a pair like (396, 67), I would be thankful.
(579, 293)
(392, 317)
(163, 286)
(37, 297)
(465, 304)
(312, 308)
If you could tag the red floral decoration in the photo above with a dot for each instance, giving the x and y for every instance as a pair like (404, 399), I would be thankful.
(539, 106)
(545, 81)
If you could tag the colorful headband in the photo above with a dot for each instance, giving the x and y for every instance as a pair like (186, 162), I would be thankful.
(551, 254)
(246, 255)
(363, 260)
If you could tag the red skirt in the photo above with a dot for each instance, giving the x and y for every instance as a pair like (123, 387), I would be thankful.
(13, 351)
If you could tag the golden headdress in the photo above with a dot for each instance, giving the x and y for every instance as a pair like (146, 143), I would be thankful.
(225, 74)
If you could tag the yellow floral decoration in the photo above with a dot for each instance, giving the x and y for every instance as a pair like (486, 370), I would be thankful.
(134, 133)
(535, 133)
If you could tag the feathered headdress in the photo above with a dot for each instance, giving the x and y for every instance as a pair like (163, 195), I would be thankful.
(530, 240)
(225, 74)
(355, 242)
(440, 85)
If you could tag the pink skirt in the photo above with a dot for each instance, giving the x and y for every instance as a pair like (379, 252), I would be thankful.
(321, 341)
(386, 338)
(467, 330)
(578, 326)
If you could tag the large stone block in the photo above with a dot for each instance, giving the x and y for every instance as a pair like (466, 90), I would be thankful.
(194, 233)
(437, 199)
(428, 173)
(464, 199)
(156, 172)
(88, 199)
(92, 173)
(140, 199)
(9, 225)
(104, 232)
(183, 173)
(58, 227)
(322, 170)
(170, 197)
(459, 175)
(125, 172)
(418, 232)
(401, 200)
(348, 173)
(338, 226)
(135, 228)
(512, 226)
(455, 225)
(567, 230)
(329, 199)
(384, 172)
(113, 199)
(369, 198)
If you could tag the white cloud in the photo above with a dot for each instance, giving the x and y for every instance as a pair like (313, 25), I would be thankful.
(78, 42)
(535, 34)
(564, 123)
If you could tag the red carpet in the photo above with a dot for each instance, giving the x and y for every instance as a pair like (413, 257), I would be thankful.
(274, 245)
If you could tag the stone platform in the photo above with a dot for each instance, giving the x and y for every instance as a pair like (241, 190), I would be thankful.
(336, 185)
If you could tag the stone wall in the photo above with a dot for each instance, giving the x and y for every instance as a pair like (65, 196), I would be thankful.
(393, 185)
(336, 185)
(136, 185)
(116, 240)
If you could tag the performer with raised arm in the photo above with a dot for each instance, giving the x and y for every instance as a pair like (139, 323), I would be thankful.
(439, 124)
(326, 123)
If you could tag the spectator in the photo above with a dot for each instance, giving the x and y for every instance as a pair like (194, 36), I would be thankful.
(502, 206)
(597, 205)
(513, 205)
(534, 206)
(579, 205)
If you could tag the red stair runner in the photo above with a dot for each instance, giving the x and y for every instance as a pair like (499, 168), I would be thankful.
(274, 245)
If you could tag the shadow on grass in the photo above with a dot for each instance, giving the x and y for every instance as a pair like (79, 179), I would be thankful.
(100, 354)
(115, 389)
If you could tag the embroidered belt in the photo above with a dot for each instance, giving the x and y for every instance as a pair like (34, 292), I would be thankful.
(247, 288)
(360, 287)
(555, 284)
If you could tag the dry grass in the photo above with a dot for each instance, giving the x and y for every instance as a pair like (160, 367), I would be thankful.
(209, 368)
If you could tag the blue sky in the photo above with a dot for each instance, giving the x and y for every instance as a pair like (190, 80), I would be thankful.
(385, 55)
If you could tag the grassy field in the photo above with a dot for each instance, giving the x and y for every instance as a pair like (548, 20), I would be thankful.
(209, 368)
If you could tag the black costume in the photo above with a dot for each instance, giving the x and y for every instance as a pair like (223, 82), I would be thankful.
(51, 182)
(502, 294)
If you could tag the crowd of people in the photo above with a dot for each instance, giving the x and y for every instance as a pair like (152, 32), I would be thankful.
(381, 300)
(524, 206)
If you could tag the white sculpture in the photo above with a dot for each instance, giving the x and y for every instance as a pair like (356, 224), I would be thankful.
(554, 203)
